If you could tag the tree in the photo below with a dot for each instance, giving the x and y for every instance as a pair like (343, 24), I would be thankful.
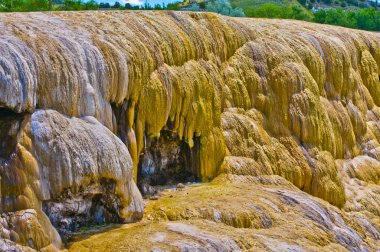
(35, 5)
(116, 5)
(303, 2)
(320, 17)
(173, 6)
(157, 7)
(268, 10)
(104, 5)
(147, 6)
(90, 5)
(295, 12)
(219, 6)
(193, 7)
(365, 19)
(224, 7)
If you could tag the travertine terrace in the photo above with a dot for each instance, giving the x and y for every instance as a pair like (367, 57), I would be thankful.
(99, 107)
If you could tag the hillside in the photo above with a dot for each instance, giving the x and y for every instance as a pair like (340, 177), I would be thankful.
(209, 132)
(354, 14)
(256, 3)
(312, 5)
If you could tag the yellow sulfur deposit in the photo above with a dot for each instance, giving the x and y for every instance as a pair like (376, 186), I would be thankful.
(280, 112)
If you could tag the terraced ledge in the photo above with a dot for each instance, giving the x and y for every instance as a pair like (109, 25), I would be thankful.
(237, 217)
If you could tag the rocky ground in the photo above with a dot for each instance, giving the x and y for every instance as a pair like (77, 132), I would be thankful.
(268, 215)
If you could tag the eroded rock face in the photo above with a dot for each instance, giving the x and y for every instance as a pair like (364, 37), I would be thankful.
(88, 160)
(29, 228)
(73, 170)
(93, 96)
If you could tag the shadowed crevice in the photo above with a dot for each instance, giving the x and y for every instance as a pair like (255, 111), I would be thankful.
(96, 204)
(10, 126)
(166, 161)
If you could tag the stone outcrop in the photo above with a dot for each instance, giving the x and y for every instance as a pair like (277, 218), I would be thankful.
(90, 101)
(74, 171)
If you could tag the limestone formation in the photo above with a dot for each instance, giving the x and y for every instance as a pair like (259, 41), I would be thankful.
(92, 103)
(74, 171)
(240, 217)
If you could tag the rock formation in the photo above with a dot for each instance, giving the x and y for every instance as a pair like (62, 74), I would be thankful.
(92, 103)
(266, 214)
(75, 171)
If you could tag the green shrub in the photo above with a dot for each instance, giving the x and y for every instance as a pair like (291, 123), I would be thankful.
(224, 7)
(365, 19)
(72, 5)
(193, 7)
(270, 10)
(20, 5)
(219, 6)
(173, 6)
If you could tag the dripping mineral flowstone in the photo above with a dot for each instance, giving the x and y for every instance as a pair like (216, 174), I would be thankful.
(98, 108)
(165, 160)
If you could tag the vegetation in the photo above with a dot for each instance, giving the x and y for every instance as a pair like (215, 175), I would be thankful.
(77, 5)
(43, 5)
(346, 4)
(271, 10)
(219, 6)
(289, 8)
(365, 19)
(73, 5)
(364, 16)
(22, 5)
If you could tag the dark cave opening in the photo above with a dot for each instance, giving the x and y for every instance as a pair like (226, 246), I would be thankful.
(10, 125)
(6, 112)
(165, 162)
(94, 205)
